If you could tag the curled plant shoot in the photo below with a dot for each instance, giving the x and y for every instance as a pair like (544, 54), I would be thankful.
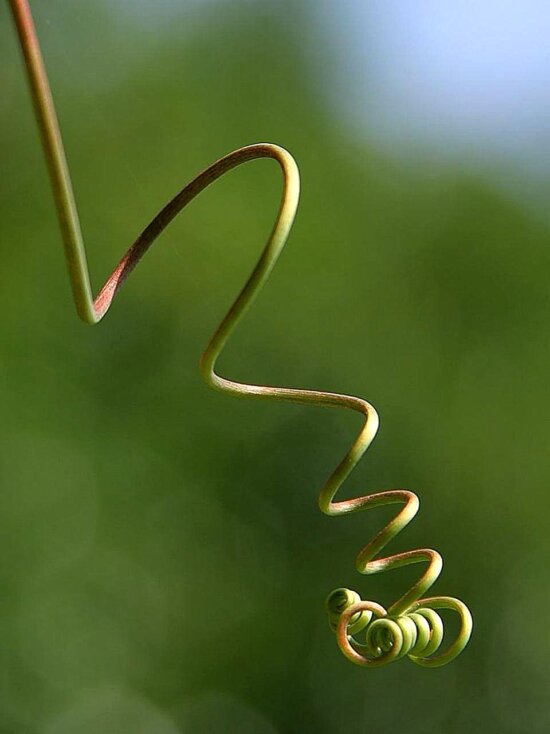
(367, 633)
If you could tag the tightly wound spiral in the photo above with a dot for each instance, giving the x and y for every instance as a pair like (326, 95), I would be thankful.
(411, 626)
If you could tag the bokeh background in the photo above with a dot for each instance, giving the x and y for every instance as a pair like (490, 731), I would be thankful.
(163, 562)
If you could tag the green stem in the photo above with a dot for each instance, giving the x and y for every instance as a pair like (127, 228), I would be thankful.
(411, 623)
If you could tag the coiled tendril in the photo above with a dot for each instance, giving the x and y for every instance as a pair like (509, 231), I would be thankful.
(410, 626)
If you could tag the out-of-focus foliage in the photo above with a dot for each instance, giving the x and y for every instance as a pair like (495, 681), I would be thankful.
(163, 561)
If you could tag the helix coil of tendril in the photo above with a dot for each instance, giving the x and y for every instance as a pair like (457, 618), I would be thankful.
(411, 625)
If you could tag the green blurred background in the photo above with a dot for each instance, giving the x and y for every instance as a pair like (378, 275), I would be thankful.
(163, 561)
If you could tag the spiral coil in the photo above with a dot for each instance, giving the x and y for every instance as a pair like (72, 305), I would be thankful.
(411, 625)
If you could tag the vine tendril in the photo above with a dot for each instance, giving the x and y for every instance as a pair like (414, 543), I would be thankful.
(410, 626)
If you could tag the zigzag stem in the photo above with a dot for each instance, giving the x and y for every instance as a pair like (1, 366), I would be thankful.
(410, 626)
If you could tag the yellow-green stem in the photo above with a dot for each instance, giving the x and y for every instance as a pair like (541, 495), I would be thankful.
(410, 626)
